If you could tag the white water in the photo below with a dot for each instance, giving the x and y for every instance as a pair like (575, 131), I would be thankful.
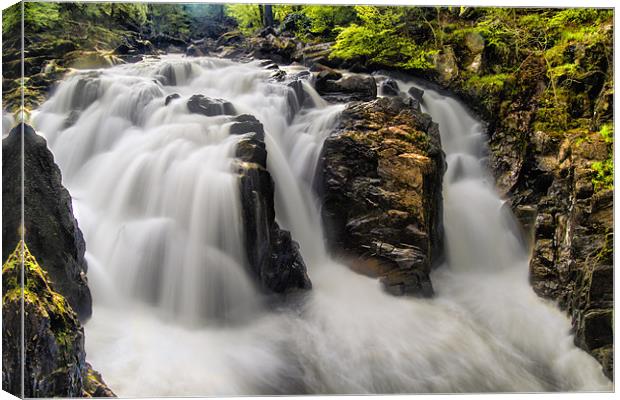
(174, 311)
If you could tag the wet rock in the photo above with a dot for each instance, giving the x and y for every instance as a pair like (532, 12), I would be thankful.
(171, 97)
(389, 87)
(272, 254)
(133, 50)
(199, 104)
(195, 51)
(298, 90)
(380, 178)
(246, 123)
(572, 261)
(53, 337)
(50, 229)
(346, 89)
(416, 93)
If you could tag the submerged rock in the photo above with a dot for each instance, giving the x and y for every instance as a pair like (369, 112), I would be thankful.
(380, 182)
(55, 364)
(50, 228)
(273, 256)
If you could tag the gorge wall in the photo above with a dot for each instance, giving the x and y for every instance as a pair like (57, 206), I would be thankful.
(54, 284)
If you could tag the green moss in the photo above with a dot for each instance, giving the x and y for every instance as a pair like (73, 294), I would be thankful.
(38, 294)
(489, 83)
(604, 170)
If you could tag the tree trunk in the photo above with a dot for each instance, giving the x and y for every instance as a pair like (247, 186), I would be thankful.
(262, 14)
(268, 15)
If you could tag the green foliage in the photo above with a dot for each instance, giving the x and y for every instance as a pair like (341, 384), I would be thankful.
(578, 17)
(488, 82)
(247, 16)
(604, 178)
(37, 17)
(324, 20)
(607, 132)
(169, 19)
(382, 38)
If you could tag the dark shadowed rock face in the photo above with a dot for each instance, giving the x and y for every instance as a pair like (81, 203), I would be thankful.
(51, 231)
(380, 180)
(53, 336)
(272, 255)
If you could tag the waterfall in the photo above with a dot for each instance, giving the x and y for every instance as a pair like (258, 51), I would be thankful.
(176, 314)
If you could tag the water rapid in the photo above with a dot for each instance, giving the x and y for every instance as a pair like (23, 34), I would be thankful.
(175, 313)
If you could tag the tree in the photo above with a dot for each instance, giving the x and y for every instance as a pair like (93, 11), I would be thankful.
(382, 38)
(268, 21)
(38, 16)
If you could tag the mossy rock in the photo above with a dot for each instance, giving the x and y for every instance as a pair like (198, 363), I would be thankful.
(53, 335)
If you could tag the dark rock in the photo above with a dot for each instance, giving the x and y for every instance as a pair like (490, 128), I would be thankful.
(272, 255)
(278, 48)
(305, 75)
(416, 93)
(195, 51)
(199, 104)
(246, 123)
(53, 336)
(318, 54)
(171, 97)
(380, 179)
(51, 231)
(347, 88)
(389, 87)
(230, 38)
(296, 98)
(167, 43)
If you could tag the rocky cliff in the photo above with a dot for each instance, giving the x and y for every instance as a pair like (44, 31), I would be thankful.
(53, 339)
(380, 180)
(50, 229)
(54, 284)
(551, 151)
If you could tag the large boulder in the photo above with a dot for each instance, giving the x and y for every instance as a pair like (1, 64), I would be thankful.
(272, 254)
(389, 87)
(268, 45)
(53, 338)
(50, 229)
(380, 181)
(319, 53)
(351, 87)
(199, 104)
(445, 65)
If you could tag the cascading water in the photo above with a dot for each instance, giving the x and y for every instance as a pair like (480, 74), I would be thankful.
(175, 313)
